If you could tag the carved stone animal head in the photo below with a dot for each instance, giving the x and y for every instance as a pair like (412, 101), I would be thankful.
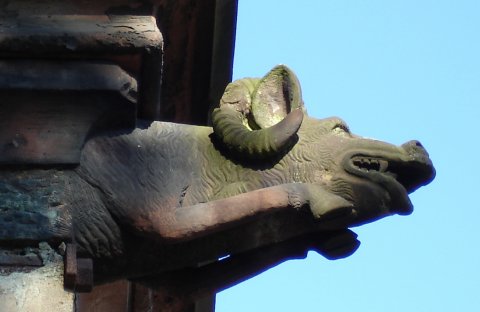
(264, 118)
(266, 174)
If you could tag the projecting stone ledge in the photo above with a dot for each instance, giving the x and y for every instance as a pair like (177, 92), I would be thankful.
(70, 34)
(48, 108)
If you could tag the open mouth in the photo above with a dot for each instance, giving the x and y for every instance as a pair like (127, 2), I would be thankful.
(397, 177)
(367, 164)
(387, 175)
(410, 174)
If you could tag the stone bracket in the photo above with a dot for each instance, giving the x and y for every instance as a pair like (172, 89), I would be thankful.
(78, 274)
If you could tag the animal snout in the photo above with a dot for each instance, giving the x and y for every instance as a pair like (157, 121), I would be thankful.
(422, 168)
(415, 148)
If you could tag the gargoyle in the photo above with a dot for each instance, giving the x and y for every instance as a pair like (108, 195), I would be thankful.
(266, 180)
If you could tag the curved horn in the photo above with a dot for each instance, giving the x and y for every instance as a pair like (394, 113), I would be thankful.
(257, 144)
(238, 94)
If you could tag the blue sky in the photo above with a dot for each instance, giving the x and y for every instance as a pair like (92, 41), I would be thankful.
(396, 71)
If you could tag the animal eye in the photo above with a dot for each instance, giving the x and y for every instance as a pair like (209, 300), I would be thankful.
(340, 128)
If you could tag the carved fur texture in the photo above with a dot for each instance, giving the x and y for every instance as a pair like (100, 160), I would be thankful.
(165, 196)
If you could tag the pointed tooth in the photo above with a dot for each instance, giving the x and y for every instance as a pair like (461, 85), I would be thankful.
(383, 165)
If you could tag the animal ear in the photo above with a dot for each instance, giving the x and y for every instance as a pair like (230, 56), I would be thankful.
(277, 94)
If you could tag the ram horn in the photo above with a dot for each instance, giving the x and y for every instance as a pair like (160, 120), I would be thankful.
(228, 125)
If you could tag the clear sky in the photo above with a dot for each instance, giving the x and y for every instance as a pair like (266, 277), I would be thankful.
(394, 70)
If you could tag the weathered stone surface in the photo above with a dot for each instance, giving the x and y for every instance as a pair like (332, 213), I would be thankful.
(49, 108)
(69, 34)
(33, 208)
(111, 297)
(133, 42)
(192, 37)
(35, 289)
(40, 290)
(165, 197)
